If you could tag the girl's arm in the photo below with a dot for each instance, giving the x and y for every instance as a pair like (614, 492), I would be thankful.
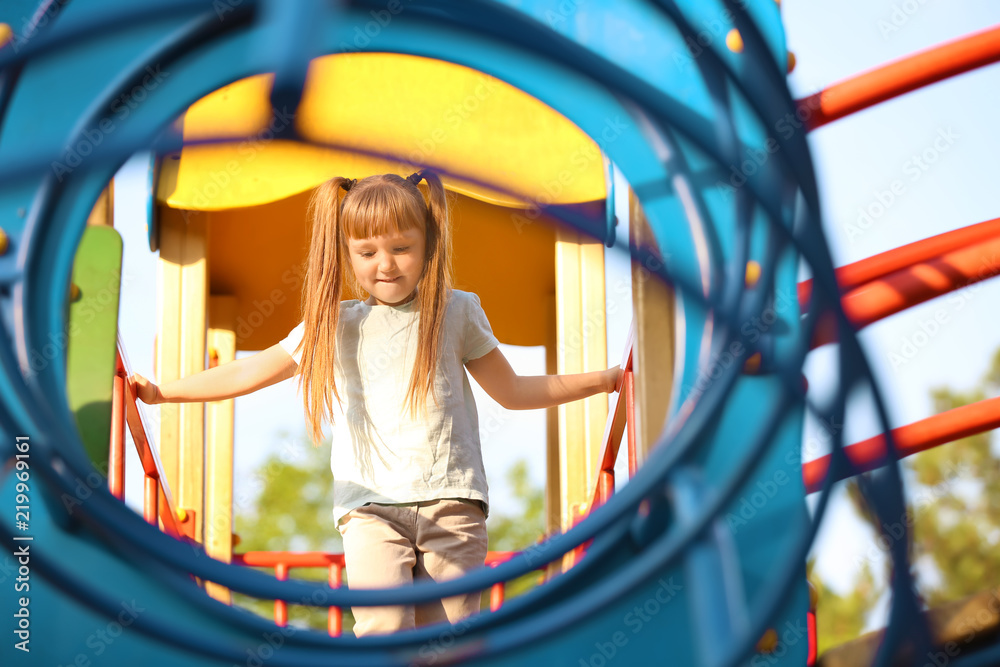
(230, 380)
(515, 392)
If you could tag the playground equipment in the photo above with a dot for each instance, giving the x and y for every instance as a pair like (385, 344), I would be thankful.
(653, 572)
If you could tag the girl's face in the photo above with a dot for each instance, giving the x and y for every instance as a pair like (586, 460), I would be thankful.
(388, 267)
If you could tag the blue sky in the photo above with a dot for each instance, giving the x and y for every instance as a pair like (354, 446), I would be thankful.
(857, 160)
(860, 157)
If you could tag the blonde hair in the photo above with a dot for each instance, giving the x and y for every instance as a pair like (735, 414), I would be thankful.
(373, 206)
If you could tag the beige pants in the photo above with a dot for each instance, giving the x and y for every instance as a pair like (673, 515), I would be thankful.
(390, 545)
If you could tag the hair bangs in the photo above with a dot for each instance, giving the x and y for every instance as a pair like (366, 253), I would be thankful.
(379, 208)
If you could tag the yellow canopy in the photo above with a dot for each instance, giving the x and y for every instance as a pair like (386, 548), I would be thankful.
(257, 255)
(421, 111)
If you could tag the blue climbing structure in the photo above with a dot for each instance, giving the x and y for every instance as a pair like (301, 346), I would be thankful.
(692, 562)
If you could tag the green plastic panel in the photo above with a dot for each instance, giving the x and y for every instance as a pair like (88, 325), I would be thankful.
(91, 338)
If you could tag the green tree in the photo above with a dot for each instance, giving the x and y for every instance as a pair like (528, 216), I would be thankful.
(956, 504)
(841, 618)
(520, 530)
(953, 510)
(527, 526)
(291, 511)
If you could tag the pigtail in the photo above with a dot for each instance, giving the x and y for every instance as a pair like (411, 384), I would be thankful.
(434, 290)
(321, 294)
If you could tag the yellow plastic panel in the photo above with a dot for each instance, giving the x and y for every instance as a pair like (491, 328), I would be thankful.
(507, 259)
(258, 255)
(418, 110)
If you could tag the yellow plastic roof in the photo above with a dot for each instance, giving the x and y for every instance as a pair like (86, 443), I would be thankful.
(258, 255)
(419, 110)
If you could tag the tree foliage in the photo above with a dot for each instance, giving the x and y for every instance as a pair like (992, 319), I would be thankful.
(522, 529)
(840, 618)
(291, 510)
(956, 540)
(953, 515)
(526, 527)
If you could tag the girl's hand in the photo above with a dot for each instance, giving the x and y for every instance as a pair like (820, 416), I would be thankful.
(612, 379)
(144, 390)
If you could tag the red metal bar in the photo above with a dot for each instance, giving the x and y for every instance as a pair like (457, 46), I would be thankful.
(116, 453)
(288, 558)
(499, 589)
(910, 439)
(496, 595)
(613, 431)
(627, 355)
(167, 517)
(900, 77)
(494, 558)
(633, 463)
(811, 625)
(147, 453)
(605, 486)
(323, 559)
(151, 504)
(335, 622)
(282, 561)
(882, 264)
(280, 606)
(576, 555)
(916, 284)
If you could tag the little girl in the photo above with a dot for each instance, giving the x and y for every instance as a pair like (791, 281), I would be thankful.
(410, 492)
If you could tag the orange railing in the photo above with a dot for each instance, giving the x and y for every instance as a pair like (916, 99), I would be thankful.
(921, 435)
(621, 418)
(892, 281)
(621, 421)
(888, 283)
(498, 591)
(897, 279)
(283, 561)
(900, 77)
(883, 264)
(158, 504)
(159, 508)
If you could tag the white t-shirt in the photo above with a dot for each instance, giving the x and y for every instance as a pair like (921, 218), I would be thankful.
(380, 453)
